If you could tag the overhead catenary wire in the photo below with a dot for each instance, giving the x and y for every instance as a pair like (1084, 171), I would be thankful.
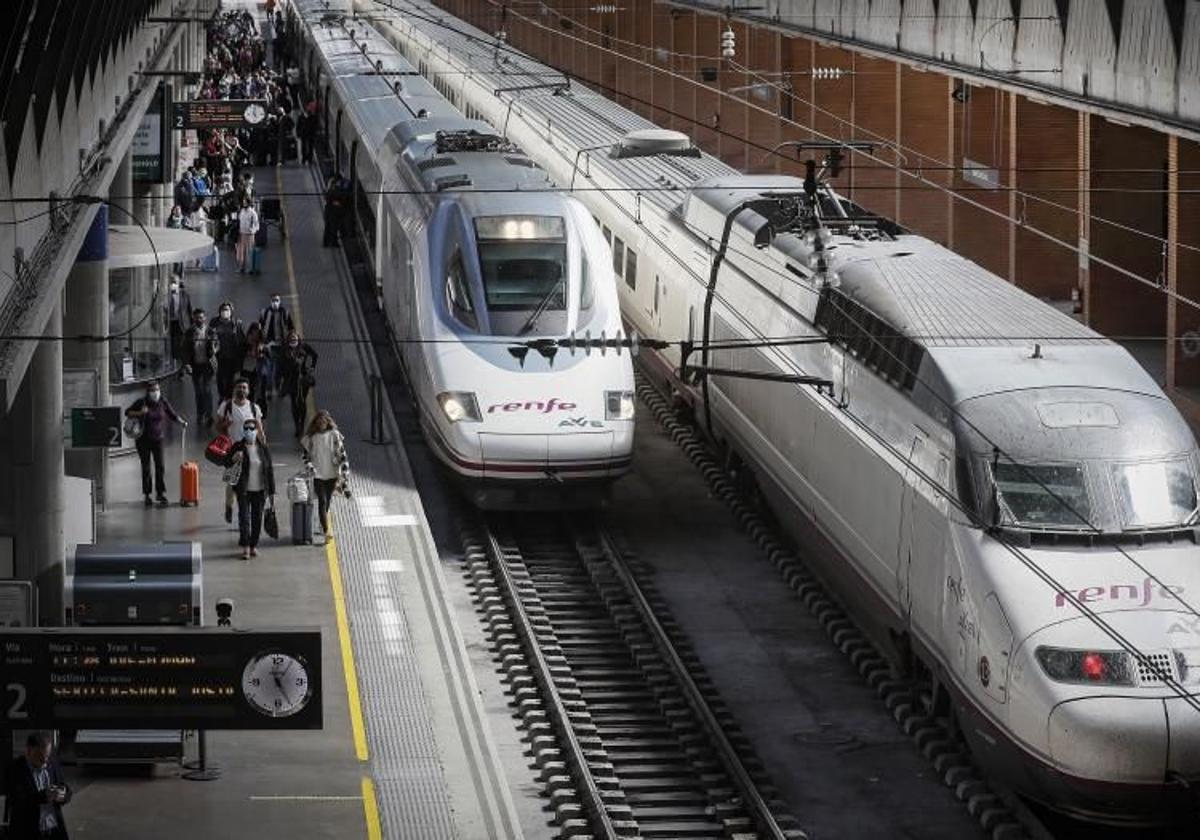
(1086, 611)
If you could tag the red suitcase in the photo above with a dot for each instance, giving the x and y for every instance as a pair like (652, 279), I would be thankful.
(189, 476)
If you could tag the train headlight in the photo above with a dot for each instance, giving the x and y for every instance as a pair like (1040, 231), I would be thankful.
(618, 405)
(459, 406)
(1086, 667)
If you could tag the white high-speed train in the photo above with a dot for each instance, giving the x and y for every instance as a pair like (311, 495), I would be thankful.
(473, 251)
(1012, 499)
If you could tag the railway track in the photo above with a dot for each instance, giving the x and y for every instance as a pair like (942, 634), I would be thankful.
(624, 729)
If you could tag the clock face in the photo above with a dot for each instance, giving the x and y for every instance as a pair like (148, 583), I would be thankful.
(276, 684)
(254, 114)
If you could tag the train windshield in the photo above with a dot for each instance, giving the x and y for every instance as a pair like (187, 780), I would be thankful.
(1155, 494)
(523, 262)
(1045, 496)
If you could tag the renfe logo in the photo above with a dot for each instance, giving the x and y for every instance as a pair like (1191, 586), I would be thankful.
(546, 407)
(1121, 592)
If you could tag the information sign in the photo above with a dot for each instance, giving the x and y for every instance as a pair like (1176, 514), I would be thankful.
(164, 678)
(98, 426)
(218, 113)
(147, 146)
(16, 603)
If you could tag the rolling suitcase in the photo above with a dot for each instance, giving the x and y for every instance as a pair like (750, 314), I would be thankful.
(189, 477)
(302, 530)
(211, 262)
(256, 260)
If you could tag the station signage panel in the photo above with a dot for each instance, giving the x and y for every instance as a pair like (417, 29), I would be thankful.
(97, 426)
(161, 678)
(218, 113)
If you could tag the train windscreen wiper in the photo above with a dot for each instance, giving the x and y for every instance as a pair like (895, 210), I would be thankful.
(541, 307)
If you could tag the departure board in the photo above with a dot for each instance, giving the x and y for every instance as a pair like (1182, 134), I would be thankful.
(218, 113)
(160, 678)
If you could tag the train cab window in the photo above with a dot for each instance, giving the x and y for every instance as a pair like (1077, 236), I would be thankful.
(631, 268)
(1042, 496)
(523, 262)
(458, 295)
(1155, 494)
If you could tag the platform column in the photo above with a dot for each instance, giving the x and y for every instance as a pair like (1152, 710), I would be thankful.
(85, 312)
(31, 461)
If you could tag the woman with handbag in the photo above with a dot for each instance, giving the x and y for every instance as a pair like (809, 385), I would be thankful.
(231, 415)
(325, 458)
(253, 480)
(299, 363)
(146, 420)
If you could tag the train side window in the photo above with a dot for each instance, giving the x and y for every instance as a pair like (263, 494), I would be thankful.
(618, 252)
(587, 287)
(631, 268)
(607, 234)
(458, 296)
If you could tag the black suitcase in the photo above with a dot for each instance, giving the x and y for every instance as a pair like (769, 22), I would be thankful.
(302, 530)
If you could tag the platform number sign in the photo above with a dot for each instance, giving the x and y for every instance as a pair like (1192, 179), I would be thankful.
(100, 426)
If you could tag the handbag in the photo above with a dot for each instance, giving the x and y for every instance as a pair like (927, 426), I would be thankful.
(233, 473)
(133, 427)
(270, 522)
(218, 450)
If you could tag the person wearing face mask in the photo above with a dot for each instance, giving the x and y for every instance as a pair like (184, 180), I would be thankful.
(231, 417)
(231, 347)
(178, 308)
(299, 375)
(155, 412)
(275, 322)
(247, 227)
(200, 345)
(254, 485)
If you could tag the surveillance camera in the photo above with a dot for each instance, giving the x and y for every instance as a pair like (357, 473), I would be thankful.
(225, 612)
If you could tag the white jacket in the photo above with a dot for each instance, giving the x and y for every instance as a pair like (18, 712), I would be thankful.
(247, 220)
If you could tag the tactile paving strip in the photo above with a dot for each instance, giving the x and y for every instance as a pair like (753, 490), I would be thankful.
(405, 760)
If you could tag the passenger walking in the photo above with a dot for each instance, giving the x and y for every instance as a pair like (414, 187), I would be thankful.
(231, 347)
(178, 311)
(200, 349)
(154, 412)
(334, 211)
(307, 131)
(299, 364)
(247, 227)
(253, 481)
(36, 791)
(325, 457)
(232, 415)
(276, 323)
(254, 359)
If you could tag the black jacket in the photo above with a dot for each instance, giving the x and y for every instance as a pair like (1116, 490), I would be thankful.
(25, 800)
(268, 472)
(298, 365)
(275, 324)
(231, 340)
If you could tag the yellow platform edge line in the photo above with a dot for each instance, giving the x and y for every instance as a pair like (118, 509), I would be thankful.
(371, 810)
(348, 666)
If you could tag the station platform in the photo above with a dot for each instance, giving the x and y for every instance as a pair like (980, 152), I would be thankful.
(405, 750)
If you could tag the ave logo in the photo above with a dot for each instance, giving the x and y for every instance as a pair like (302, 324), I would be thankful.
(581, 422)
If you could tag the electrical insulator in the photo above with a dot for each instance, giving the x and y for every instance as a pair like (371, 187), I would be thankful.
(501, 35)
(827, 72)
(727, 43)
(605, 9)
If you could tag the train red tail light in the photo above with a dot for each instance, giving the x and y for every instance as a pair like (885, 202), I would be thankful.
(1093, 667)
(1100, 667)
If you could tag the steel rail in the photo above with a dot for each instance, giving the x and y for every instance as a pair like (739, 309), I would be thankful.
(751, 797)
(593, 801)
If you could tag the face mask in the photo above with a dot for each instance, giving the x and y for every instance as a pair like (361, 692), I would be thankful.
(274, 304)
(249, 435)
(293, 344)
(154, 395)
(174, 287)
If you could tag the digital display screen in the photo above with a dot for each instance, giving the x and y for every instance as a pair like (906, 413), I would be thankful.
(162, 678)
(218, 113)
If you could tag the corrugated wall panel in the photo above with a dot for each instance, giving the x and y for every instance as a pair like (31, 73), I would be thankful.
(1146, 60)
(918, 30)
(955, 28)
(883, 27)
(856, 15)
(1189, 64)
(797, 12)
(1090, 51)
(825, 14)
(995, 33)
(1040, 43)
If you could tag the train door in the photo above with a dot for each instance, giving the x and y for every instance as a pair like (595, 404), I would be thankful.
(923, 514)
(904, 546)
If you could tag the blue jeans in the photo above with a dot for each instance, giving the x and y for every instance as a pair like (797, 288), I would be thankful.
(250, 516)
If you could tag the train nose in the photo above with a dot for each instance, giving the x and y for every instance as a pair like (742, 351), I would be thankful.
(1118, 739)
(1183, 725)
